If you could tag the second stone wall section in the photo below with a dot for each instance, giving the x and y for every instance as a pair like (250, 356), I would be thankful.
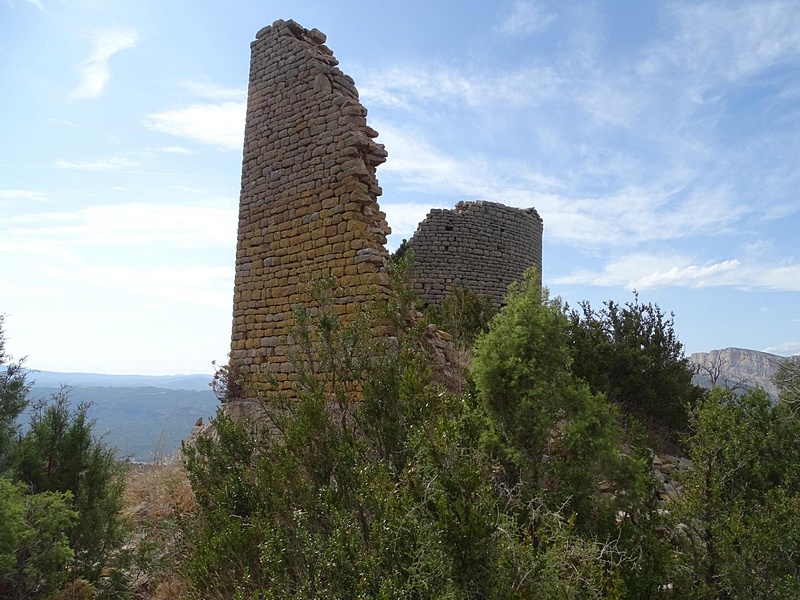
(483, 246)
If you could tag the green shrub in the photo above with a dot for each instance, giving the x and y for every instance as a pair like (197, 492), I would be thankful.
(739, 518)
(34, 549)
(59, 453)
(631, 354)
(463, 314)
(556, 435)
(13, 400)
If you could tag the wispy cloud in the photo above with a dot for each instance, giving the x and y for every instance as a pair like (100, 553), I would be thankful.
(620, 218)
(23, 195)
(589, 117)
(60, 122)
(642, 271)
(525, 17)
(94, 71)
(722, 41)
(404, 217)
(113, 163)
(784, 349)
(219, 125)
(694, 276)
(122, 224)
(35, 3)
(188, 189)
(207, 285)
(211, 91)
(415, 85)
(176, 150)
(623, 154)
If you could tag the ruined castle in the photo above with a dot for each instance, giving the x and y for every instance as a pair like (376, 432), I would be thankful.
(483, 246)
(308, 208)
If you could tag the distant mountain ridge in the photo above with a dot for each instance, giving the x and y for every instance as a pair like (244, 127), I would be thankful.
(144, 416)
(737, 367)
(196, 382)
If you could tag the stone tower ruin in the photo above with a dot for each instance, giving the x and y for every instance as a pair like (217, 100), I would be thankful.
(483, 246)
(308, 205)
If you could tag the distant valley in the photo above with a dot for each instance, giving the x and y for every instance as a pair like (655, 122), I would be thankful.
(144, 417)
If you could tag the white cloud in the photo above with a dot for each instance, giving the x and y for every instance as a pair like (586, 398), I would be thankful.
(188, 189)
(216, 124)
(720, 41)
(410, 86)
(565, 113)
(607, 100)
(646, 271)
(575, 85)
(526, 17)
(121, 224)
(60, 122)
(23, 195)
(214, 92)
(784, 349)
(620, 218)
(101, 164)
(587, 118)
(784, 278)
(94, 70)
(35, 3)
(212, 285)
(176, 150)
(643, 271)
(693, 276)
(404, 217)
(219, 123)
(422, 166)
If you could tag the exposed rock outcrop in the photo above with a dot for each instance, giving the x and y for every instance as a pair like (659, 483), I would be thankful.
(737, 368)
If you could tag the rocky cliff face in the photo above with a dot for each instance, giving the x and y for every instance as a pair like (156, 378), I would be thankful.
(737, 367)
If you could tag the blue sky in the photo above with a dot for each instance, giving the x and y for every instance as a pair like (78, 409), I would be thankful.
(660, 142)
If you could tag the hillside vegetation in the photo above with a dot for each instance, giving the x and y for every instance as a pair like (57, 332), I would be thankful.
(521, 467)
(144, 424)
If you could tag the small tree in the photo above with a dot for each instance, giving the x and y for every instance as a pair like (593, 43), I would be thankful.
(565, 439)
(59, 453)
(464, 314)
(787, 378)
(739, 516)
(631, 354)
(34, 549)
(13, 399)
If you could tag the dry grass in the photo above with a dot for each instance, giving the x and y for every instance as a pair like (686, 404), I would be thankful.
(155, 492)
(157, 499)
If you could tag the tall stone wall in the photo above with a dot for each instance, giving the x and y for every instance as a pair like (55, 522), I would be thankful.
(308, 205)
(480, 245)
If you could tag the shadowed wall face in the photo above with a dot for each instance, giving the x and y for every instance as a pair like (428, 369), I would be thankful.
(480, 245)
(308, 205)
